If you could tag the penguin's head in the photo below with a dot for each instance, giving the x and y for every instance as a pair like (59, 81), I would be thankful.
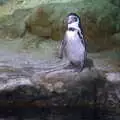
(72, 17)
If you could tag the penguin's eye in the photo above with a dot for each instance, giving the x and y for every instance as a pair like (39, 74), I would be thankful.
(75, 19)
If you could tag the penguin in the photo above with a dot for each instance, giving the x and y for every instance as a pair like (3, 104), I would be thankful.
(73, 45)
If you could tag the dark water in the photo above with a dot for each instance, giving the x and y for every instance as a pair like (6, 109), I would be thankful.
(56, 114)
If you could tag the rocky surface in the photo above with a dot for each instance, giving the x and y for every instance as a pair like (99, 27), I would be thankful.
(25, 81)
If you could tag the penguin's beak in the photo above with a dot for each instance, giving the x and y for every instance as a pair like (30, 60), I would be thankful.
(67, 21)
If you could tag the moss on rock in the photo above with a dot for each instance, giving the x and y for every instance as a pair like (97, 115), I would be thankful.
(100, 19)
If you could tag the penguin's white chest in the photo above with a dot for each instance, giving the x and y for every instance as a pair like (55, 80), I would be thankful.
(74, 47)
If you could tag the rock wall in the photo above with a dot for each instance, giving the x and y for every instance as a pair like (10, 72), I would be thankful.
(45, 19)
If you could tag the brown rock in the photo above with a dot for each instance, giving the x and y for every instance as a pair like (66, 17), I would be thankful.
(40, 24)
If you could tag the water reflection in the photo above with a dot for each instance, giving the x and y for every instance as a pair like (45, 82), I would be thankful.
(56, 114)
